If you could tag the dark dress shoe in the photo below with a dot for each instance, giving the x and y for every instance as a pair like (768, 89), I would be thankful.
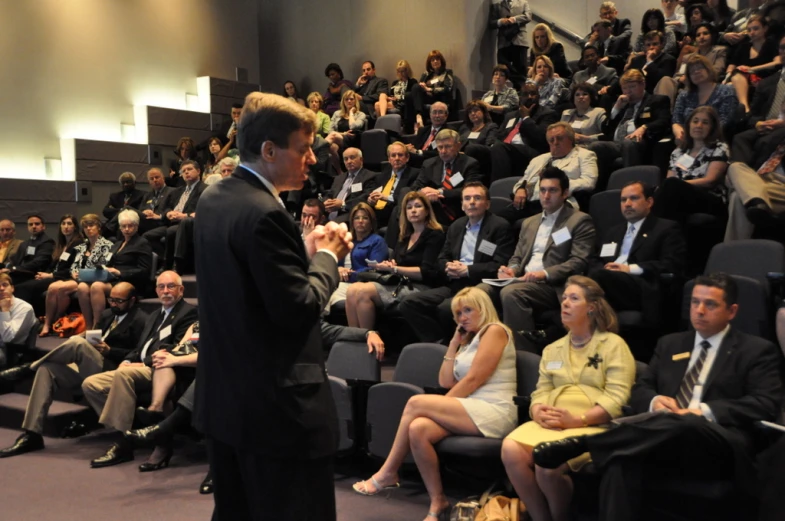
(17, 374)
(26, 442)
(153, 435)
(553, 454)
(147, 417)
(149, 466)
(207, 485)
(74, 430)
(758, 212)
(118, 453)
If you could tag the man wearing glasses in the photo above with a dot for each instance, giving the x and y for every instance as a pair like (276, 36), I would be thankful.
(424, 145)
(121, 327)
(113, 394)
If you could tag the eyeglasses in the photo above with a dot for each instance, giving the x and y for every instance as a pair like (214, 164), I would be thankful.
(113, 300)
(439, 112)
(170, 286)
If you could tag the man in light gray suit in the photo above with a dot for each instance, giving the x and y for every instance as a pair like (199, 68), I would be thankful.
(509, 19)
(551, 247)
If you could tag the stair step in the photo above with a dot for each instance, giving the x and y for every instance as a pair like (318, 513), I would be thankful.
(61, 414)
(189, 286)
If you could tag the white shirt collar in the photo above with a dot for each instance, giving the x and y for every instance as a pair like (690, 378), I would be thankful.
(554, 215)
(714, 340)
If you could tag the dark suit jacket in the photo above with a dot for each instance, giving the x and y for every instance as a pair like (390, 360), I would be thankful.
(407, 178)
(419, 141)
(763, 98)
(487, 135)
(655, 113)
(371, 90)
(617, 50)
(754, 149)
(431, 176)
(38, 261)
(174, 197)
(149, 202)
(123, 339)
(494, 230)
(180, 319)
(365, 177)
(262, 384)
(117, 202)
(532, 130)
(662, 66)
(134, 262)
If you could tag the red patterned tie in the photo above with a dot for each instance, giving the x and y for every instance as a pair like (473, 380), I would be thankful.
(446, 184)
(514, 132)
(430, 139)
(773, 161)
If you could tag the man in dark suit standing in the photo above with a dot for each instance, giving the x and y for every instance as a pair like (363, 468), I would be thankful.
(154, 201)
(706, 390)
(632, 256)
(263, 398)
(121, 328)
(370, 86)
(33, 254)
(351, 187)
(476, 245)
(392, 182)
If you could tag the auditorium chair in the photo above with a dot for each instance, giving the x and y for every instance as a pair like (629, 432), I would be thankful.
(645, 173)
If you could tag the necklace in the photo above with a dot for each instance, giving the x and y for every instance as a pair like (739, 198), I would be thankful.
(579, 344)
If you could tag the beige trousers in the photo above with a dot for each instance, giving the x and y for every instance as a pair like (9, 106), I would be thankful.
(113, 394)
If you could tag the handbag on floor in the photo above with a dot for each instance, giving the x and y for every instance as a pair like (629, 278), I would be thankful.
(70, 325)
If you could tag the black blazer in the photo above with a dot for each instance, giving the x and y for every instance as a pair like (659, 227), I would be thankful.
(655, 113)
(762, 100)
(431, 176)
(424, 253)
(61, 267)
(117, 202)
(370, 91)
(617, 51)
(262, 383)
(174, 197)
(487, 135)
(134, 262)
(754, 149)
(494, 230)
(41, 258)
(180, 319)
(556, 54)
(124, 337)
(419, 141)
(149, 201)
(532, 130)
(365, 177)
(663, 66)
(407, 178)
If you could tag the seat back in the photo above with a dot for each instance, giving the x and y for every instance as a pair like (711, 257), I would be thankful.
(391, 122)
(503, 187)
(374, 146)
(605, 210)
(647, 173)
(352, 361)
(753, 316)
(527, 366)
(750, 258)
(498, 204)
(419, 364)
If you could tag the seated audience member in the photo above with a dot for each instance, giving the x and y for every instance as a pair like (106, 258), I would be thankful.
(509, 19)
(521, 135)
(179, 205)
(436, 84)
(112, 394)
(69, 364)
(33, 254)
(400, 95)
(312, 215)
(441, 177)
(477, 127)
(217, 152)
(501, 99)
(475, 246)
(227, 132)
(654, 21)
(368, 245)
(577, 163)
(290, 92)
(632, 256)
(9, 244)
(735, 31)
(637, 121)
(346, 125)
(621, 28)
(674, 16)
(551, 247)
(722, 14)
(612, 50)
(697, 13)
(424, 144)
(370, 87)
(585, 380)
(705, 45)
(752, 60)
(68, 238)
(153, 202)
(711, 426)
(543, 43)
(766, 115)
(420, 240)
(226, 166)
(653, 63)
(757, 179)
(479, 371)
(128, 197)
(595, 73)
(129, 261)
(586, 119)
(552, 89)
(350, 188)
(702, 89)
(185, 151)
(315, 102)
(17, 320)
(208, 180)
(336, 88)
(89, 255)
(696, 174)
(394, 178)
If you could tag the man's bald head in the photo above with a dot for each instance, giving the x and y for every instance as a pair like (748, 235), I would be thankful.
(7, 230)
(122, 298)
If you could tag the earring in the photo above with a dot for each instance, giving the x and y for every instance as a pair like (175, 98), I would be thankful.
(590, 313)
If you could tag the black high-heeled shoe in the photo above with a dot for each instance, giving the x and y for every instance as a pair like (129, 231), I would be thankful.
(151, 467)
(147, 417)
(207, 485)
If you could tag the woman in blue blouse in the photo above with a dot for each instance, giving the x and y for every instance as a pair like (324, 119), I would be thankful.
(368, 245)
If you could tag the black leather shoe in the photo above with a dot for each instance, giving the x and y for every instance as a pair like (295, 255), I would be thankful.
(553, 454)
(153, 435)
(207, 485)
(147, 417)
(74, 430)
(26, 442)
(758, 212)
(17, 374)
(118, 453)
(149, 466)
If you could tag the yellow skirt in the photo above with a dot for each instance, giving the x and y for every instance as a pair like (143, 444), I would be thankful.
(576, 402)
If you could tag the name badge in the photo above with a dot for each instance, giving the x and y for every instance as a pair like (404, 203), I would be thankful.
(456, 179)
(487, 247)
(510, 123)
(554, 365)
(681, 356)
(592, 80)
(578, 124)
(685, 161)
(149, 202)
(474, 135)
(561, 236)
(65, 256)
(165, 332)
(31, 250)
(357, 187)
(194, 337)
(608, 250)
(646, 115)
(108, 257)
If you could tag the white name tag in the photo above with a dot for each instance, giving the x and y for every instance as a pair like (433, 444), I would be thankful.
(357, 187)
(487, 247)
(31, 250)
(510, 123)
(554, 365)
(108, 257)
(578, 124)
(608, 250)
(592, 80)
(456, 179)
(65, 256)
(434, 81)
(685, 161)
(194, 337)
(165, 332)
(474, 135)
(561, 236)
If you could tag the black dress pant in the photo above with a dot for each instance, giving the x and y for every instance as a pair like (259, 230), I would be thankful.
(420, 98)
(429, 315)
(677, 200)
(252, 487)
(508, 160)
(622, 290)
(165, 249)
(515, 58)
(33, 292)
(184, 246)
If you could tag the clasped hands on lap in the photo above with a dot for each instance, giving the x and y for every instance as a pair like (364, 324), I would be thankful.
(532, 276)
(555, 418)
(669, 404)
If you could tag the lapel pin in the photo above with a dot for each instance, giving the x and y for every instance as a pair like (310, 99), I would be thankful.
(594, 361)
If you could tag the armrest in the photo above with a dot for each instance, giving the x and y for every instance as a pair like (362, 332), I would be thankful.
(522, 401)
(407, 138)
(777, 283)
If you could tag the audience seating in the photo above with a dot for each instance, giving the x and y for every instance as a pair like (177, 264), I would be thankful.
(503, 187)
(646, 173)
(605, 210)
(392, 123)
(374, 148)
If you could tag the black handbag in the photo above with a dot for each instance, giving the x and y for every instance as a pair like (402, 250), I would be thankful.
(385, 279)
(188, 347)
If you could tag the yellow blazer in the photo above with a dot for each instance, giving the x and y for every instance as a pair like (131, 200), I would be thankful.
(608, 385)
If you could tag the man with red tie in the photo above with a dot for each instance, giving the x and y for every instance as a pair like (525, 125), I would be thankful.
(522, 136)
(423, 147)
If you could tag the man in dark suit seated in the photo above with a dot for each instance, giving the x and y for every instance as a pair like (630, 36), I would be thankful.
(152, 208)
(392, 182)
(521, 135)
(594, 73)
(476, 245)
(423, 146)
(180, 204)
(551, 247)
(612, 49)
(32, 255)
(121, 328)
(631, 257)
(351, 187)
(112, 394)
(706, 390)
(652, 62)
(370, 87)
(128, 197)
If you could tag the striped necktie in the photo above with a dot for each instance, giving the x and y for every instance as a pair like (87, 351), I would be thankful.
(687, 387)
